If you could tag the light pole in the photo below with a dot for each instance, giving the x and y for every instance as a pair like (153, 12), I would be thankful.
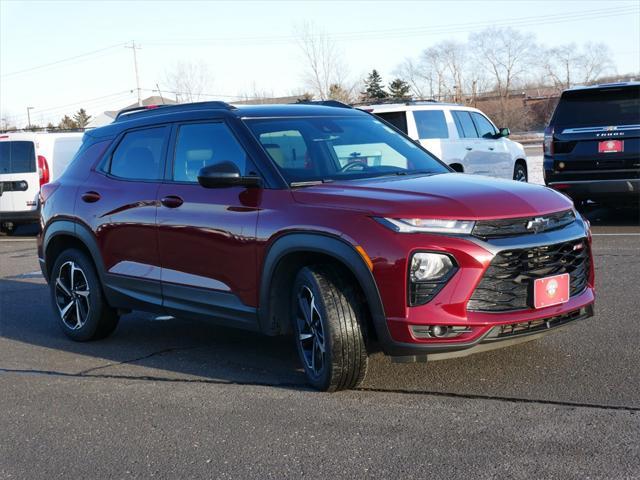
(29, 117)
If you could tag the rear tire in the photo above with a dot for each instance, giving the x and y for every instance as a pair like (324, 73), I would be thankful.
(520, 173)
(79, 304)
(327, 325)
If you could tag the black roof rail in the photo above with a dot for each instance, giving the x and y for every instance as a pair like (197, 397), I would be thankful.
(400, 101)
(326, 103)
(174, 107)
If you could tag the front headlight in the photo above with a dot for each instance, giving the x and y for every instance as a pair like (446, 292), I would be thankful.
(428, 225)
(427, 267)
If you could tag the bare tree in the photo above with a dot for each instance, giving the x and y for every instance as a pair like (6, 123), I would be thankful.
(596, 62)
(568, 65)
(188, 81)
(562, 64)
(434, 71)
(324, 65)
(409, 70)
(454, 57)
(507, 54)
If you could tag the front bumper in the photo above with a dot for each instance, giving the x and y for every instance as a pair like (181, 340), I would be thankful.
(488, 336)
(449, 307)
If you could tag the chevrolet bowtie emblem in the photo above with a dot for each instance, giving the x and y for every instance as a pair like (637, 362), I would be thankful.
(538, 224)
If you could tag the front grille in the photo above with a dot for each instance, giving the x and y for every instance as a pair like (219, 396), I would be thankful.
(507, 227)
(506, 284)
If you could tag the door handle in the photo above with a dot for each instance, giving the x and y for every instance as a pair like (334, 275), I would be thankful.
(90, 197)
(469, 148)
(172, 201)
(490, 148)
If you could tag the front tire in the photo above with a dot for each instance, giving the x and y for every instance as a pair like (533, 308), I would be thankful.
(327, 325)
(76, 293)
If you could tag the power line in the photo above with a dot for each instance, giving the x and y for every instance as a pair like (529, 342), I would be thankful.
(547, 19)
(64, 60)
(215, 95)
(92, 103)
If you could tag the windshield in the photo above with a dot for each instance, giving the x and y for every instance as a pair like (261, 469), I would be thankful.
(309, 149)
(611, 106)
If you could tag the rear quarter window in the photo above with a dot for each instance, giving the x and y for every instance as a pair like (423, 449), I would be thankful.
(139, 155)
(397, 119)
(431, 124)
(17, 157)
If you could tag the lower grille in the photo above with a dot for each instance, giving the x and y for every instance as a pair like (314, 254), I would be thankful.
(506, 284)
(536, 326)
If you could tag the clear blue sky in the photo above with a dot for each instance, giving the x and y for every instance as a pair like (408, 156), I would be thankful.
(247, 43)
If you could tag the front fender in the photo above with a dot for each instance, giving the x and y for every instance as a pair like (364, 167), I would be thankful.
(326, 244)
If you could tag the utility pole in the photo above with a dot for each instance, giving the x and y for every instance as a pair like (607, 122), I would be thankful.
(29, 117)
(135, 65)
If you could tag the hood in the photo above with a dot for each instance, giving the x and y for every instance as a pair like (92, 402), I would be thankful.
(449, 195)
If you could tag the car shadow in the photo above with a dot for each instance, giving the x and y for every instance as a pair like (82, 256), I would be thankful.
(173, 349)
(602, 216)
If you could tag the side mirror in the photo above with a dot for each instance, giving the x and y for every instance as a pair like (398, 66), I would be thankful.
(225, 174)
(504, 132)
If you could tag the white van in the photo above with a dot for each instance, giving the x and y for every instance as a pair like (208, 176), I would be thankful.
(463, 137)
(28, 160)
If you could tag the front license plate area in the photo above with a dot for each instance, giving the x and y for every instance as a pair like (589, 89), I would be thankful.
(550, 291)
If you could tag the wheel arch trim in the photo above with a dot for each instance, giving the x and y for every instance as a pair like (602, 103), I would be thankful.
(329, 245)
(70, 228)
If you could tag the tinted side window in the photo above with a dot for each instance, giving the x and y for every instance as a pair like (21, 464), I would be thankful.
(431, 124)
(464, 124)
(201, 144)
(397, 119)
(139, 155)
(17, 157)
(484, 127)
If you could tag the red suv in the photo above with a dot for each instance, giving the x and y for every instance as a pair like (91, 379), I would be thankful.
(317, 220)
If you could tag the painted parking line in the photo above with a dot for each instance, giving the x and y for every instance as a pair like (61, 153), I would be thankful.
(615, 234)
(35, 274)
(10, 240)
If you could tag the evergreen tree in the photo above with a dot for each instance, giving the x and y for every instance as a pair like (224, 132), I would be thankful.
(399, 89)
(339, 93)
(81, 118)
(67, 123)
(305, 97)
(373, 87)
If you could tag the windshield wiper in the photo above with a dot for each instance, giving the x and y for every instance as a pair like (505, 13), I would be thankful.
(415, 172)
(309, 183)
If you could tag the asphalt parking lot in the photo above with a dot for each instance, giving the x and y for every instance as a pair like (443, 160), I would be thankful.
(181, 399)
